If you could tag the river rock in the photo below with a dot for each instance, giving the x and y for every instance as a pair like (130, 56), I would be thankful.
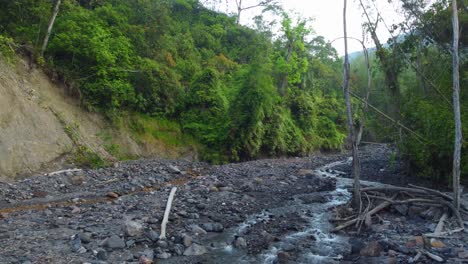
(187, 240)
(101, 254)
(114, 242)
(174, 169)
(197, 230)
(313, 198)
(163, 255)
(240, 242)
(133, 228)
(213, 227)
(162, 244)
(283, 257)
(195, 250)
(463, 254)
(152, 235)
(373, 249)
(148, 253)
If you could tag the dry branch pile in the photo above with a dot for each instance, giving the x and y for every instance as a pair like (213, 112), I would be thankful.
(375, 199)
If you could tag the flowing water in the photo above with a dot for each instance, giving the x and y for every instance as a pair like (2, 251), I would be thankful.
(315, 243)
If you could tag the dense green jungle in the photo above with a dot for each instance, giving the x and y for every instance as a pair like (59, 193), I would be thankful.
(273, 88)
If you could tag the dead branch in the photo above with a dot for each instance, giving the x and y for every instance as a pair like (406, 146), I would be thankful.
(166, 213)
(444, 234)
(433, 256)
(415, 258)
(370, 213)
(62, 171)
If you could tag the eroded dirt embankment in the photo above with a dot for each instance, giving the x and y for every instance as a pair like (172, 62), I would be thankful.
(42, 126)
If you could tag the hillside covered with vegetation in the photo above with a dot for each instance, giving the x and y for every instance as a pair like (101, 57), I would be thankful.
(248, 92)
(240, 92)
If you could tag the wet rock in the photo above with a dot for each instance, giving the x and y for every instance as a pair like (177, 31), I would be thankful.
(195, 250)
(356, 245)
(178, 249)
(313, 198)
(148, 254)
(415, 210)
(283, 257)
(133, 228)
(240, 242)
(152, 235)
(114, 242)
(187, 240)
(101, 254)
(401, 208)
(164, 255)
(373, 249)
(213, 227)
(197, 230)
(305, 172)
(162, 244)
(75, 243)
(463, 254)
(86, 237)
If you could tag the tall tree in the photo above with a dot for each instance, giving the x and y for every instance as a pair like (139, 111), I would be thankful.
(456, 109)
(240, 7)
(49, 28)
(351, 131)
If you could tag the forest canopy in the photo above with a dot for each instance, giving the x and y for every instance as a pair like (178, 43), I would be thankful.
(241, 92)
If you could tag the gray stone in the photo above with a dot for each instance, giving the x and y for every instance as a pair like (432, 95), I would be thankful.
(197, 230)
(174, 169)
(212, 227)
(401, 208)
(114, 242)
(179, 249)
(153, 235)
(102, 254)
(164, 255)
(373, 249)
(195, 250)
(162, 244)
(133, 228)
(240, 242)
(148, 253)
(86, 237)
(187, 240)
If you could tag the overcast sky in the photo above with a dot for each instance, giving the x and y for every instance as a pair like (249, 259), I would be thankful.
(328, 18)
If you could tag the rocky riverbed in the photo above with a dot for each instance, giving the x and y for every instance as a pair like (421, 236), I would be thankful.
(266, 211)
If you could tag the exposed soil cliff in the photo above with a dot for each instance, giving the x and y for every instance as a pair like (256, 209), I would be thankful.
(42, 128)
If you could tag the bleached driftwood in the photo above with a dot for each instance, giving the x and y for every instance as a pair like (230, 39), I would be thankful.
(166, 213)
(62, 171)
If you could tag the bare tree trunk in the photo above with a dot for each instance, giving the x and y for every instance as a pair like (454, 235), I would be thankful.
(284, 81)
(239, 10)
(456, 110)
(391, 76)
(352, 137)
(49, 28)
(368, 90)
